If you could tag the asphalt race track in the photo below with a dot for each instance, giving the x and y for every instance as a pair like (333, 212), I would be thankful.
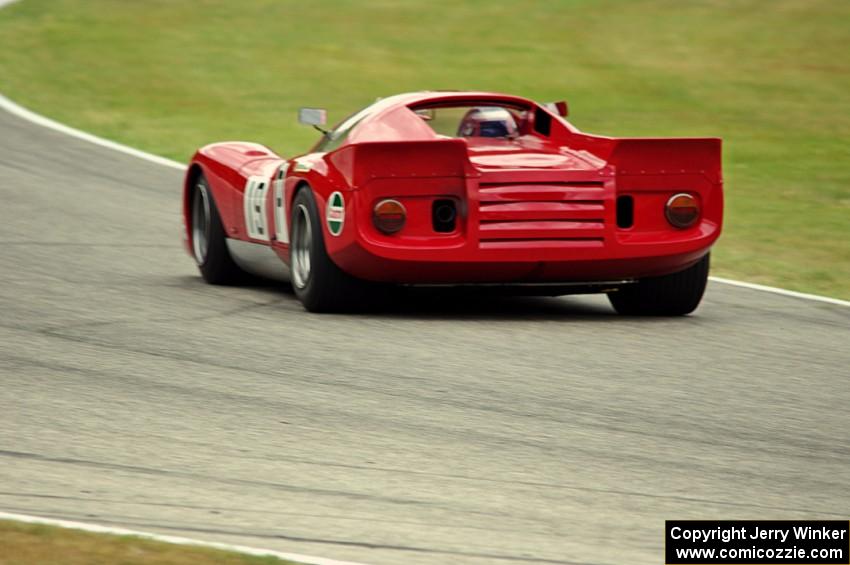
(452, 430)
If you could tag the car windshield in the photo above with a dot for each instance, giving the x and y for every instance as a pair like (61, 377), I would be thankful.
(491, 120)
(337, 136)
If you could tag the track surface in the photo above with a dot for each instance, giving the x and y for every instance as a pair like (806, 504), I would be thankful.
(466, 431)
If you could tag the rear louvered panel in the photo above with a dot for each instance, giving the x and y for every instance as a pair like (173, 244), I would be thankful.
(491, 192)
(541, 230)
(523, 244)
(543, 213)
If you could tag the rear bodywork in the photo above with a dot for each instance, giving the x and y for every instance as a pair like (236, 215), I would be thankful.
(551, 206)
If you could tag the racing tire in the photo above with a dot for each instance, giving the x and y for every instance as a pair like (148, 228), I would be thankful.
(676, 294)
(208, 240)
(318, 282)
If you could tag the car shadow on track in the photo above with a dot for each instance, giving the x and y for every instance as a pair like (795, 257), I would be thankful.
(459, 304)
(466, 303)
(472, 304)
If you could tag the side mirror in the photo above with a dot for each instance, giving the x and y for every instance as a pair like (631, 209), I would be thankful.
(559, 108)
(312, 116)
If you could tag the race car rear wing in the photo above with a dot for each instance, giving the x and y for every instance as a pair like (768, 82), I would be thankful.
(359, 163)
(362, 162)
(654, 156)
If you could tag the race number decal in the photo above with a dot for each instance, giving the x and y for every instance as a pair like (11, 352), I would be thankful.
(335, 213)
(280, 221)
(254, 202)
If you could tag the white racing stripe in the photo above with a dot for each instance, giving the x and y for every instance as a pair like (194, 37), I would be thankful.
(94, 528)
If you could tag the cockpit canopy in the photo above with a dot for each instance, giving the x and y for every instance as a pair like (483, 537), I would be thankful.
(430, 115)
(492, 120)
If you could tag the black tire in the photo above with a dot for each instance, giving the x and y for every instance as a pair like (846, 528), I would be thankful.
(677, 294)
(209, 245)
(322, 286)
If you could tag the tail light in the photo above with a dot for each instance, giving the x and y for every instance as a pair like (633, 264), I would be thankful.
(389, 216)
(682, 210)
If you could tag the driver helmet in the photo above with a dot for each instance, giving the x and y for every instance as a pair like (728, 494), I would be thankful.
(487, 121)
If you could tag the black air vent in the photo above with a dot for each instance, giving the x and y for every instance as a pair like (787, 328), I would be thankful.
(625, 212)
(444, 215)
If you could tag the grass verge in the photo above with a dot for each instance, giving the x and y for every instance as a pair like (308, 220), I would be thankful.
(37, 544)
(770, 77)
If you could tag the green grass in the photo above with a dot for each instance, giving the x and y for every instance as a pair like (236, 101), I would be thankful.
(771, 77)
(35, 544)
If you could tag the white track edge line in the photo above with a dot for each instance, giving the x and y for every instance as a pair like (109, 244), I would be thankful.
(30, 116)
(782, 291)
(177, 540)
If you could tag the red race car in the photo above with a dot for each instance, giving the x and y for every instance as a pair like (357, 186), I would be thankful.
(461, 188)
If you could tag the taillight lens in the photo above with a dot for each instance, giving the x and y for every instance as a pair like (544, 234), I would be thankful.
(682, 210)
(389, 216)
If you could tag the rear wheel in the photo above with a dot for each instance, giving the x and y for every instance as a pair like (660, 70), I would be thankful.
(209, 243)
(676, 294)
(319, 283)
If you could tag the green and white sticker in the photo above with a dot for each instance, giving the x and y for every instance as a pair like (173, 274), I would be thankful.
(335, 213)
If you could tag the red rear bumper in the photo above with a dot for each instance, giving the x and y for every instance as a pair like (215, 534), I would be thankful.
(529, 229)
